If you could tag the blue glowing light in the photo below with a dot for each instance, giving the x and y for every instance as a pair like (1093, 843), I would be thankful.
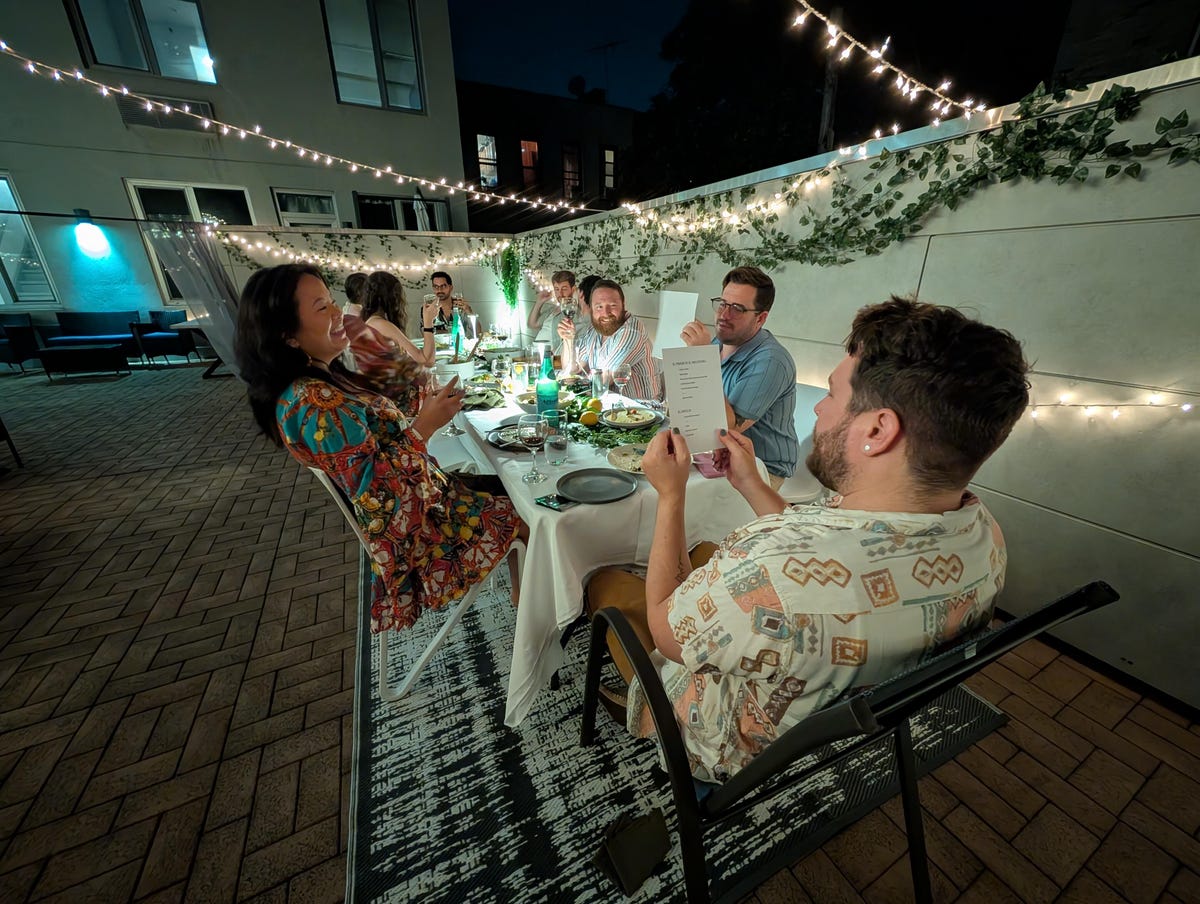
(92, 241)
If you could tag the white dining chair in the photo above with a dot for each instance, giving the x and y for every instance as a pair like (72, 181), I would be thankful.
(387, 692)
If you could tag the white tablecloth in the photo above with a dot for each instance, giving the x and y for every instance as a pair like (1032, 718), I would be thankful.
(565, 547)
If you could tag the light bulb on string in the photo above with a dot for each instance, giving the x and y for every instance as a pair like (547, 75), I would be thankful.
(32, 67)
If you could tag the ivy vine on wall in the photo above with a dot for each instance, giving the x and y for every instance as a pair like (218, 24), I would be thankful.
(865, 212)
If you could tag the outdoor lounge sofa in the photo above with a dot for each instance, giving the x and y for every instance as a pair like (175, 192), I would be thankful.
(96, 328)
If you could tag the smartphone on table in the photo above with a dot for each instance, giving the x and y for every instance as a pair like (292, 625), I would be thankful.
(556, 502)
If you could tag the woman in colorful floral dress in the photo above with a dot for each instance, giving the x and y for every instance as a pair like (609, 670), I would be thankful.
(431, 538)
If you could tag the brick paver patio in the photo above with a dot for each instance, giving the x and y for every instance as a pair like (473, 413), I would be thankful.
(176, 679)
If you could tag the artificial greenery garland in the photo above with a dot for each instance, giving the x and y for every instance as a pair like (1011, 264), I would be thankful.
(866, 212)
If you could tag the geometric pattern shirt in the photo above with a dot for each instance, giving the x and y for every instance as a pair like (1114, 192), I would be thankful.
(796, 610)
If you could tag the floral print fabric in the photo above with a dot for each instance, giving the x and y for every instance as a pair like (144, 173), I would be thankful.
(430, 537)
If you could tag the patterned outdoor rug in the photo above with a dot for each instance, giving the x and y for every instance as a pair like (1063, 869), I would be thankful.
(448, 804)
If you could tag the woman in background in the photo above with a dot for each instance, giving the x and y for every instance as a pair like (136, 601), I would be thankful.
(430, 537)
(385, 310)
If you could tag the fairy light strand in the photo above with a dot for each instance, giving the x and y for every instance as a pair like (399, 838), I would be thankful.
(274, 142)
(279, 249)
(909, 86)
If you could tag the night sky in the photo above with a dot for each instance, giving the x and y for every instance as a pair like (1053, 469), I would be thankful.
(539, 44)
(998, 53)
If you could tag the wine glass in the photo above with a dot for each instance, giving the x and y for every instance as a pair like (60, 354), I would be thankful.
(532, 430)
(621, 374)
(500, 369)
(434, 385)
(570, 307)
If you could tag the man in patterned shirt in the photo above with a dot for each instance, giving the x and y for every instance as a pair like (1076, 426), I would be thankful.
(616, 338)
(809, 602)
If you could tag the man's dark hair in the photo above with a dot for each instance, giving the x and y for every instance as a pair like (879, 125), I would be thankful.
(354, 286)
(764, 289)
(608, 284)
(563, 276)
(586, 285)
(957, 385)
(443, 274)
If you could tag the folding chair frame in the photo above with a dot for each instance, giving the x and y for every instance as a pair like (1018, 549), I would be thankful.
(387, 692)
(866, 716)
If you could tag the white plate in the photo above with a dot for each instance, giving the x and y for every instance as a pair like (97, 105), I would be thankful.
(627, 457)
(630, 418)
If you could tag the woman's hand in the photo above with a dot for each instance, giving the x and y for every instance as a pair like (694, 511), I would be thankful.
(667, 463)
(439, 409)
(429, 314)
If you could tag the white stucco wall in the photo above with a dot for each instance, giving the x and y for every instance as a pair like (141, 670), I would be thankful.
(1100, 282)
(65, 147)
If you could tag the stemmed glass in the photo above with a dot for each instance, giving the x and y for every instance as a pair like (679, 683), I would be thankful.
(621, 374)
(433, 385)
(532, 430)
(500, 370)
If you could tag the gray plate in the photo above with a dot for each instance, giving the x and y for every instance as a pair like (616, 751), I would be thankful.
(596, 485)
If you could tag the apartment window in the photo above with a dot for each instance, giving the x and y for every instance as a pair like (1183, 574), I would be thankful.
(489, 174)
(572, 180)
(529, 163)
(305, 208)
(177, 202)
(608, 171)
(373, 44)
(165, 37)
(23, 274)
(416, 214)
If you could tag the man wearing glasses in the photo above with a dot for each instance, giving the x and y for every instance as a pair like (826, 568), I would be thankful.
(757, 373)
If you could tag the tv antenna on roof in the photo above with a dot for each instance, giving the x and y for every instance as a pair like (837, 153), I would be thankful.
(604, 50)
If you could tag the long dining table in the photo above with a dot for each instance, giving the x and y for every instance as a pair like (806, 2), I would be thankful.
(566, 547)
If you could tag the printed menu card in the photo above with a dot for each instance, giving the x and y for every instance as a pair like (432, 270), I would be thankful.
(695, 397)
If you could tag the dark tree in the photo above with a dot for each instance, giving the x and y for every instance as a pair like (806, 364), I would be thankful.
(744, 94)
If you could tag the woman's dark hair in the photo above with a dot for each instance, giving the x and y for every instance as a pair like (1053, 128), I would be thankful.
(383, 296)
(266, 318)
(957, 385)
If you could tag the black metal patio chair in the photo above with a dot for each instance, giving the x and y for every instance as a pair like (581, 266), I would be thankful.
(866, 717)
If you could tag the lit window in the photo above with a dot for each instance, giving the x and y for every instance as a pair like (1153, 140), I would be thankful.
(529, 163)
(608, 174)
(161, 36)
(374, 48)
(489, 174)
(22, 271)
(572, 175)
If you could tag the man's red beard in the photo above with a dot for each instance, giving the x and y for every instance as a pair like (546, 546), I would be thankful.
(606, 326)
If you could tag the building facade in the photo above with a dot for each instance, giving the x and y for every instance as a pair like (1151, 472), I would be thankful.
(531, 145)
(370, 81)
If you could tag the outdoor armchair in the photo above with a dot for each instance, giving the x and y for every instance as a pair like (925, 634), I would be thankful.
(865, 717)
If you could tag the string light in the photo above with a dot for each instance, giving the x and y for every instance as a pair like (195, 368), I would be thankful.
(1091, 410)
(910, 87)
(259, 248)
(34, 67)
